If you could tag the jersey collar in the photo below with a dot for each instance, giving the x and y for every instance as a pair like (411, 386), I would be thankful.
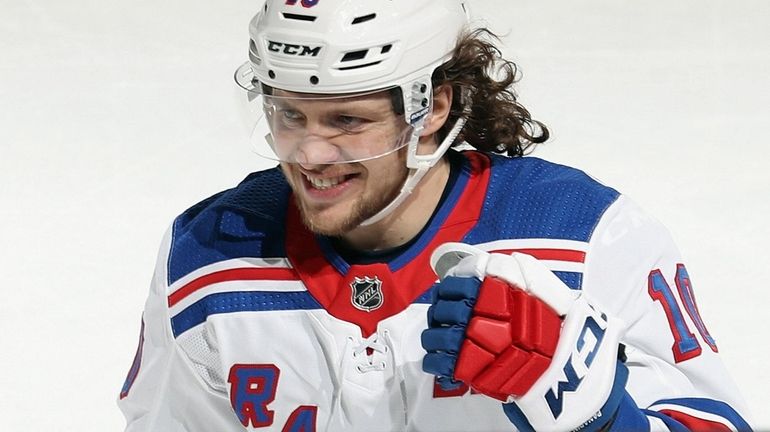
(365, 294)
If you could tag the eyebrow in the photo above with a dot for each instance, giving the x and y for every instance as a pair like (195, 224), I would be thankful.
(339, 106)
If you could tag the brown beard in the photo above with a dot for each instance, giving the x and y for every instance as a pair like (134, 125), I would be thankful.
(361, 211)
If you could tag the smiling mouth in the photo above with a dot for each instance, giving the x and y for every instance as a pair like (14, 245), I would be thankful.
(326, 183)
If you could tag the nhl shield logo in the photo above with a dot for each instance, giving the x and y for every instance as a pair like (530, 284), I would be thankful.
(367, 293)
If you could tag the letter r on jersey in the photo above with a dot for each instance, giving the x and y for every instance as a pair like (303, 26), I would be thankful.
(252, 387)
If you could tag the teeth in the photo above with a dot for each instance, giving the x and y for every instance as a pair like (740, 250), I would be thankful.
(324, 183)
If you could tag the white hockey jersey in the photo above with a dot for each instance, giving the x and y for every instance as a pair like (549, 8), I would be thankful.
(254, 323)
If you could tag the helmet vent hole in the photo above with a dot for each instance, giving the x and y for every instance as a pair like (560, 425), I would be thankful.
(298, 17)
(359, 66)
(313, 80)
(271, 74)
(364, 18)
(386, 49)
(354, 55)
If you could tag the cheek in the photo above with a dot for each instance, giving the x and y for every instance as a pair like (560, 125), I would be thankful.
(388, 173)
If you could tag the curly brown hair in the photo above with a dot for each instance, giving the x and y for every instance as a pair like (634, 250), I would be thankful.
(496, 122)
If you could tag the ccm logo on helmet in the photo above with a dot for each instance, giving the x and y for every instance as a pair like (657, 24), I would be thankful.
(293, 49)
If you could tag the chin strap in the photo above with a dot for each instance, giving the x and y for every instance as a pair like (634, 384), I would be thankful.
(418, 165)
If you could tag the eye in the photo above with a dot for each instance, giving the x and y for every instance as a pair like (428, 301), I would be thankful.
(291, 114)
(290, 117)
(349, 123)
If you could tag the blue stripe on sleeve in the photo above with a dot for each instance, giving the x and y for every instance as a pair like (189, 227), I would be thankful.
(712, 406)
(251, 301)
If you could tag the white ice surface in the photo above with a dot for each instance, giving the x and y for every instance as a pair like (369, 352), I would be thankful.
(115, 116)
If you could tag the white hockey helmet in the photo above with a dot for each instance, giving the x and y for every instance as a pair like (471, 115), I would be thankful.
(349, 47)
(352, 46)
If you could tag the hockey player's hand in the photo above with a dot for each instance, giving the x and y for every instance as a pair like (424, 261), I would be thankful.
(491, 335)
(510, 329)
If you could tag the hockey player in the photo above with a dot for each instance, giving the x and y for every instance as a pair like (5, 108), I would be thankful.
(379, 280)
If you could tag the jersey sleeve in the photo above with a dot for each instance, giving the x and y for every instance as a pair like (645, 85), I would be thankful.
(163, 390)
(677, 380)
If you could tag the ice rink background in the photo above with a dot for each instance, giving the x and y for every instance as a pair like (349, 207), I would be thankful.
(115, 116)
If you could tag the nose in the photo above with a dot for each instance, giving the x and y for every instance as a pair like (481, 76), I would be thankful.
(315, 150)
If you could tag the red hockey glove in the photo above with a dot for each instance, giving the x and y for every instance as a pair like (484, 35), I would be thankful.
(509, 328)
(509, 340)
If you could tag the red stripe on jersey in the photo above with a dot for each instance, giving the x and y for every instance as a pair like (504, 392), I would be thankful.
(250, 273)
(695, 423)
(550, 254)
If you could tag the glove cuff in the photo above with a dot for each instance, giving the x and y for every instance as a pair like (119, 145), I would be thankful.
(597, 422)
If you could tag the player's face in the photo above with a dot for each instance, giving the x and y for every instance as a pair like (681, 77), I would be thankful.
(335, 197)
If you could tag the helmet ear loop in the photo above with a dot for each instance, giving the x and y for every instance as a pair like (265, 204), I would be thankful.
(416, 161)
(418, 107)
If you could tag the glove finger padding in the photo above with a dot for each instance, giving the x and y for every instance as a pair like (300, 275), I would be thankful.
(509, 343)
(448, 317)
(529, 341)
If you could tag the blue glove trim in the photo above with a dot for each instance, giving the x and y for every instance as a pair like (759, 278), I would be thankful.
(629, 417)
(607, 412)
(450, 312)
(443, 339)
(440, 363)
(517, 417)
(458, 288)
(453, 299)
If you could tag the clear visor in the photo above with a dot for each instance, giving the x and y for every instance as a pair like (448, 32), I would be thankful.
(323, 129)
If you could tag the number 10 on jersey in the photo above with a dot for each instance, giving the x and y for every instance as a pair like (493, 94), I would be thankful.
(686, 345)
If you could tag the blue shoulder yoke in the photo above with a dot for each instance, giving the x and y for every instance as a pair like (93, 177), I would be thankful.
(532, 198)
(246, 221)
